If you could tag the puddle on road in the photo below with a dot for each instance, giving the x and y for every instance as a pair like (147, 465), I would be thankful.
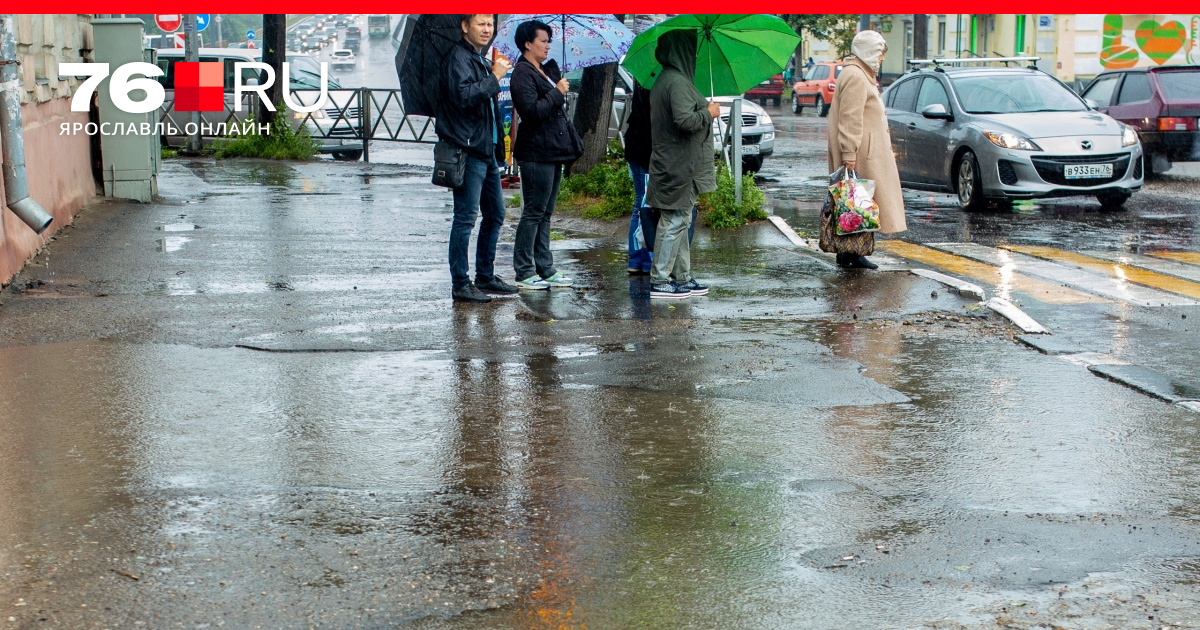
(493, 467)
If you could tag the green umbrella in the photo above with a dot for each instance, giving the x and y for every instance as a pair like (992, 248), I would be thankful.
(735, 52)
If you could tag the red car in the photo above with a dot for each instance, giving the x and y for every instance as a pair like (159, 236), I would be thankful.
(816, 88)
(771, 89)
(1162, 103)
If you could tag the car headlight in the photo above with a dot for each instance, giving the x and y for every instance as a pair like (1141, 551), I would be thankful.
(1011, 141)
(317, 115)
(1129, 136)
(764, 119)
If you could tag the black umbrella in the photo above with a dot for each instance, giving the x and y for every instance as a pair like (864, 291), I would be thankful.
(427, 39)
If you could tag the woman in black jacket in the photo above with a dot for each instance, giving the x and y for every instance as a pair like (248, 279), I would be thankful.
(546, 142)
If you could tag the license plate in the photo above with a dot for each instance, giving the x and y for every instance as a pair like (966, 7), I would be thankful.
(1087, 171)
(749, 149)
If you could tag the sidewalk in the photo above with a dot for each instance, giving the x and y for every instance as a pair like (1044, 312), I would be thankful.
(257, 397)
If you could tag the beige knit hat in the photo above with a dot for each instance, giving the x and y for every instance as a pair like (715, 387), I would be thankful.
(869, 46)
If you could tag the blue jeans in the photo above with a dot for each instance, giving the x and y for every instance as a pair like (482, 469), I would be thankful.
(639, 257)
(480, 192)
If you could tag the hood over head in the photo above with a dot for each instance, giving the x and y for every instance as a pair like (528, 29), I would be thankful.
(677, 49)
(869, 46)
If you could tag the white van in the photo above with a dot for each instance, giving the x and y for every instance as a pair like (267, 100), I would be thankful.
(334, 127)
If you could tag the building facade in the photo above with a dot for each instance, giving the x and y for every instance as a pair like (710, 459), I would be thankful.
(58, 167)
(1073, 47)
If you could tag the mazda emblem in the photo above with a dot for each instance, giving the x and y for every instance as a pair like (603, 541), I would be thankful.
(1086, 144)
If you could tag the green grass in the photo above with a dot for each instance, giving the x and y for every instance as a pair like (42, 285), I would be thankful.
(605, 192)
(720, 209)
(283, 143)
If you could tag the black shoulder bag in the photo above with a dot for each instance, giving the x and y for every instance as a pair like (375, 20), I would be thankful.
(449, 165)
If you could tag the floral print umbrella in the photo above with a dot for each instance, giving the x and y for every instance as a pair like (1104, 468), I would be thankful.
(591, 39)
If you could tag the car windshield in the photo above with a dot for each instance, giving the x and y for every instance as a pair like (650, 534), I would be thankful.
(1015, 94)
(1180, 86)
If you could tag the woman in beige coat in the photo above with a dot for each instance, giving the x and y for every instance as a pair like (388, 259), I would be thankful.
(858, 135)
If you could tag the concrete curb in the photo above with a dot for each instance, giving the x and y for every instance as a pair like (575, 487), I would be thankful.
(1016, 315)
(1149, 382)
(963, 287)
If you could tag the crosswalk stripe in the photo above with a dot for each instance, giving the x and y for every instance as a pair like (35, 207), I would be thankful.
(1066, 274)
(1143, 277)
(1187, 257)
(1162, 265)
(998, 281)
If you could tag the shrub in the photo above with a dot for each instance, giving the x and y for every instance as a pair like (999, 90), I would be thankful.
(720, 208)
(283, 143)
(605, 192)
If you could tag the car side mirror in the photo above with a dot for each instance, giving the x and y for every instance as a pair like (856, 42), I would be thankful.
(251, 81)
(619, 91)
(937, 111)
(1092, 103)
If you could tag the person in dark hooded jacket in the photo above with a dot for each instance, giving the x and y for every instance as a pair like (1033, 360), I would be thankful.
(681, 162)
(638, 145)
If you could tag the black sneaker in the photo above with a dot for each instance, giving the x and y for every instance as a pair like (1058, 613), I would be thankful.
(496, 285)
(468, 293)
(695, 287)
(668, 290)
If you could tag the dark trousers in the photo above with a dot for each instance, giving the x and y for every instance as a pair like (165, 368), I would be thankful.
(539, 189)
(639, 257)
(480, 192)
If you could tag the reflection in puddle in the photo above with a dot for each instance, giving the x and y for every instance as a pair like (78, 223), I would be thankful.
(169, 244)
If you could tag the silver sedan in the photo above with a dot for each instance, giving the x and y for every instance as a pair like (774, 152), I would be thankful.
(999, 134)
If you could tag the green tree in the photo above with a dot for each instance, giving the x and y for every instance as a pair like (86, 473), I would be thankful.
(837, 29)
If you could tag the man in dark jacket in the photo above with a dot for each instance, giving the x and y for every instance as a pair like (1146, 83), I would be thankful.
(681, 162)
(469, 118)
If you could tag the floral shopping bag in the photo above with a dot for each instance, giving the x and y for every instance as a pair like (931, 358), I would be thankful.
(854, 208)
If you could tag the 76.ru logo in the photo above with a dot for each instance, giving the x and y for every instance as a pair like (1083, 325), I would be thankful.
(199, 86)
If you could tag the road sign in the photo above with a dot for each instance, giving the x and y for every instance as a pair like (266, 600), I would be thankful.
(202, 20)
(217, 19)
(250, 45)
(169, 23)
(179, 40)
(250, 35)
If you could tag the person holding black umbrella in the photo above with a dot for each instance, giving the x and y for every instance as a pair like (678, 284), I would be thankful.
(468, 117)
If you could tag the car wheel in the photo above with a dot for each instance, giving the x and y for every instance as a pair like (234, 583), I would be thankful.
(1156, 165)
(752, 164)
(969, 186)
(1114, 200)
(349, 156)
(797, 108)
(822, 108)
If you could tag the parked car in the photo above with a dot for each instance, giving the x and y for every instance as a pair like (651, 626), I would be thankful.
(758, 130)
(997, 134)
(769, 90)
(815, 88)
(335, 126)
(1162, 103)
(342, 58)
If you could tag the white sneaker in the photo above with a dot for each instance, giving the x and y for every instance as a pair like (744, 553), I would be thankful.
(558, 280)
(533, 283)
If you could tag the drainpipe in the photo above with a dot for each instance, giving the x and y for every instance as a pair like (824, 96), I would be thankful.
(12, 134)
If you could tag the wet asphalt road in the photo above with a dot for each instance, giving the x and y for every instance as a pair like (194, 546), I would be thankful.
(253, 404)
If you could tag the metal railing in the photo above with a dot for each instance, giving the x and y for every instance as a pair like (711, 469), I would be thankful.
(364, 114)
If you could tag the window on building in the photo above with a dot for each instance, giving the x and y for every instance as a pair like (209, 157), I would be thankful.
(941, 35)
